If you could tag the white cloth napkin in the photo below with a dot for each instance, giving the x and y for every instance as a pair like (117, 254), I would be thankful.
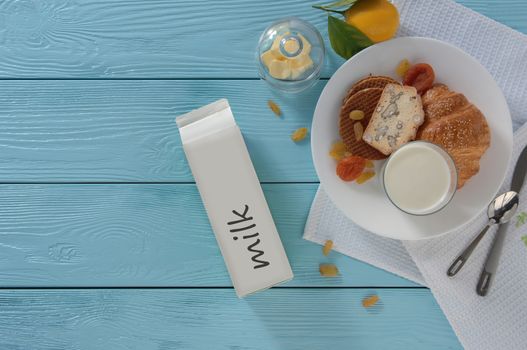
(499, 320)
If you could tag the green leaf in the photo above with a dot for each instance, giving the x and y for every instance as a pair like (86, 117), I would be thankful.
(337, 4)
(524, 239)
(521, 218)
(345, 39)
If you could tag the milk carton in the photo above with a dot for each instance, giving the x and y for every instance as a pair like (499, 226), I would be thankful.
(233, 198)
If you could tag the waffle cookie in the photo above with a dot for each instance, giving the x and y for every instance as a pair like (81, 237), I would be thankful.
(364, 100)
(368, 83)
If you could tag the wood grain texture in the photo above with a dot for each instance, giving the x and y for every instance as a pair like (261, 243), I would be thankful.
(78, 131)
(215, 319)
(146, 235)
(137, 38)
(158, 38)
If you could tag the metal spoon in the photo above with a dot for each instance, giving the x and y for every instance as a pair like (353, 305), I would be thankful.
(499, 211)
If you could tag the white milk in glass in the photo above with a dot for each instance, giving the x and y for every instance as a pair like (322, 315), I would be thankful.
(420, 178)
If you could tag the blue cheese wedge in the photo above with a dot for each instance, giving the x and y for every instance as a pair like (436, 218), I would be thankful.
(398, 115)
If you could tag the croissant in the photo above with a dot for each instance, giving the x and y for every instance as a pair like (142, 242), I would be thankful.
(456, 125)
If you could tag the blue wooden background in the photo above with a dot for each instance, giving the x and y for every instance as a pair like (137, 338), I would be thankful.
(104, 242)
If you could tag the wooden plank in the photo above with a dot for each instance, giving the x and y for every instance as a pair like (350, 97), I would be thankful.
(512, 13)
(160, 39)
(204, 319)
(123, 38)
(146, 235)
(64, 131)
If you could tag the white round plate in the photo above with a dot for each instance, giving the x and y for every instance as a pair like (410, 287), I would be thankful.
(367, 204)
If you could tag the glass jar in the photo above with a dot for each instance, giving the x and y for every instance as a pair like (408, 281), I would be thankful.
(290, 55)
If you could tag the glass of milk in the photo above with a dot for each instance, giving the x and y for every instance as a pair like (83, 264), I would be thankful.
(420, 178)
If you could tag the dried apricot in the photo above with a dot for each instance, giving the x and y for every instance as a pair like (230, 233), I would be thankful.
(358, 129)
(299, 134)
(369, 164)
(274, 107)
(365, 176)
(421, 76)
(356, 114)
(327, 247)
(339, 151)
(402, 68)
(350, 168)
(328, 270)
(370, 301)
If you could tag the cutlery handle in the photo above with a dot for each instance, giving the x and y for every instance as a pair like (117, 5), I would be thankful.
(491, 264)
(463, 257)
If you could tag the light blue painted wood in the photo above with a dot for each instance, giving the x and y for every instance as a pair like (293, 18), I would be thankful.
(160, 39)
(120, 38)
(146, 235)
(135, 234)
(73, 131)
(215, 319)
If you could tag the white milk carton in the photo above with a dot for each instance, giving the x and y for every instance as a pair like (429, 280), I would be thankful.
(233, 198)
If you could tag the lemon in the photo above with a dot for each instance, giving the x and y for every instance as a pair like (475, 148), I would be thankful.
(377, 19)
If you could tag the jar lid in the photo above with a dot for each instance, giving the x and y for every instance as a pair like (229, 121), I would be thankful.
(290, 54)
